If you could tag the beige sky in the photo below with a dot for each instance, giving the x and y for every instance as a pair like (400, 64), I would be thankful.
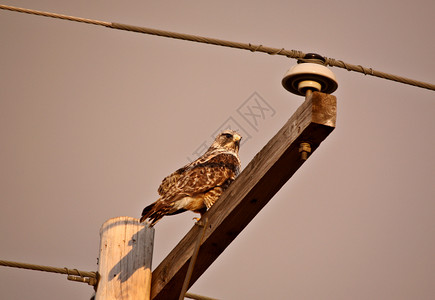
(92, 119)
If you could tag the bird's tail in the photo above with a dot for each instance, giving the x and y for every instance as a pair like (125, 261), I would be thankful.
(147, 211)
(152, 213)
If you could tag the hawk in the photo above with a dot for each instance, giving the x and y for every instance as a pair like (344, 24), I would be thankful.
(198, 185)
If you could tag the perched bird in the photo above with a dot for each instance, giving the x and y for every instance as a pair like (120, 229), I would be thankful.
(199, 184)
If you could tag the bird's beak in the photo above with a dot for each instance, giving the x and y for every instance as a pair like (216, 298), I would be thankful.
(236, 139)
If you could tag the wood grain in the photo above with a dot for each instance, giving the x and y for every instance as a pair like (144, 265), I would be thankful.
(126, 249)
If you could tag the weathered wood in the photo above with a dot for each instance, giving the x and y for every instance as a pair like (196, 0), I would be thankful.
(124, 267)
(260, 180)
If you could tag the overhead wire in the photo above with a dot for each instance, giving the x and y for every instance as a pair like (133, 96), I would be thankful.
(219, 42)
(90, 278)
(73, 274)
(198, 297)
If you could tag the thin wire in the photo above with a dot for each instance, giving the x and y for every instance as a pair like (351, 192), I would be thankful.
(197, 297)
(53, 15)
(253, 48)
(185, 287)
(86, 277)
(66, 271)
(369, 71)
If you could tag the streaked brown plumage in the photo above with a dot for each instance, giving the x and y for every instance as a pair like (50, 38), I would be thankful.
(198, 185)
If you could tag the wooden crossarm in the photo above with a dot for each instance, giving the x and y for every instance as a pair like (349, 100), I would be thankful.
(268, 171)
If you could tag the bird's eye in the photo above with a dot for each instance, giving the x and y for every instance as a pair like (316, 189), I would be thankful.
(228, 135)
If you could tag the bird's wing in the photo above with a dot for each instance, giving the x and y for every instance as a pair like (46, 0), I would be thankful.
(169, 181)
(197, 178)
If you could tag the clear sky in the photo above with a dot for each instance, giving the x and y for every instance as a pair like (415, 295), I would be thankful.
(92, 119)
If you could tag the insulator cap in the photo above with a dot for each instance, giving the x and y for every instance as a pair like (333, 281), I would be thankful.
(312, 57)
(312, 76)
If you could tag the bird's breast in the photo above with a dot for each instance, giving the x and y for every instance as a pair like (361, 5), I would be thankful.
(190, 203)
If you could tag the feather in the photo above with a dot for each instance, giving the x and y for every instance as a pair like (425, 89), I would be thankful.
(199, 184)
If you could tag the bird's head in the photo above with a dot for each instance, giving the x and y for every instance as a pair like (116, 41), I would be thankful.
(229, 140)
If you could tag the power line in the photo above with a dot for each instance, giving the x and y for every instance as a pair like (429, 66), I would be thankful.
(245, 46)
(53, 15)
(197, 297)
(73, 274)
(90, 278)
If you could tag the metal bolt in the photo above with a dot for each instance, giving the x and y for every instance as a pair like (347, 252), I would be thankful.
(304, 149)
(308, 93)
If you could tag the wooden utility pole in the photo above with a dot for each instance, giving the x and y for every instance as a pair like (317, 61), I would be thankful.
(270, 169)
(127, 245)
(124, 267)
